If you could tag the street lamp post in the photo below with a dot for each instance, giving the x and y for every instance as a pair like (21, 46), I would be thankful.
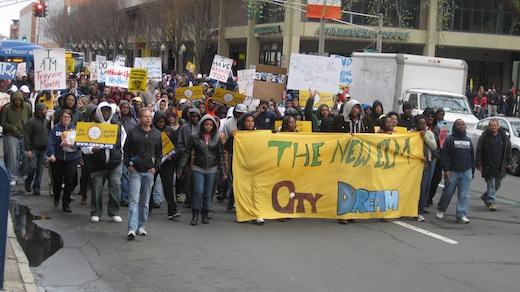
(163, 48)
(181, 53)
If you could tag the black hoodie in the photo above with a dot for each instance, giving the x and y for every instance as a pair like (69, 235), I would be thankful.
(172, 134)
(457, 152)
(37, 130)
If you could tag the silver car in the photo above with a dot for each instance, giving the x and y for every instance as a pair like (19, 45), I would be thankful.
(512, 129)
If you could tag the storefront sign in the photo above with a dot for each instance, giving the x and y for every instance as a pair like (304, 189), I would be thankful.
(365, 33)
(268, 29)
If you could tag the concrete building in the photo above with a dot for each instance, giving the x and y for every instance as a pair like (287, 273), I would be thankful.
(27, 23)
(14, 29)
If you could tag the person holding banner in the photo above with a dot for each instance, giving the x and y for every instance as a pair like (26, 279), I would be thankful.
(209, 157)
(322, 113)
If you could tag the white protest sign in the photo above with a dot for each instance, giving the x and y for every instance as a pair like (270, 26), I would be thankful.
(314, 72)
(347, 75)
(49, 69)
(120, 61)
(117, 76)
(246, 81)
(100, 58)
(221, 68)
(152, 64)
(22, 68)
(102, 68)
(92, 67)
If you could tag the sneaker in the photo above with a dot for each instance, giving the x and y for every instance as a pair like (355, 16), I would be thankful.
(492, 207)
(13, 183)
(342, 221)
(28, 187)
(157, 205)
(486, 201)
(94, 219)
(37, 192)
(176, 215)
(463, 220)
(420, 218)
(439, 215)
(131, 234)
(259, 221)
(170, 217)
(71, 198)
(141, 231)
(117, 219)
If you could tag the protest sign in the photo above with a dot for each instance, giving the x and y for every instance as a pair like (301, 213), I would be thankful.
(96, 134)
(168, 149)
(246, 81)
(320, 98)
(193, 93)
(8, 71)
(70, 62)
(120, 61)
(367, 175)
(228, 97)
(269, 82)
(22, 68)
(301, 126)
(117, 76)
(314, 72)
(49, 68)
(152, 64)
(221, 68)
(102, 67)
(191, 67)
(347, 70)
(100, 58)
(92, 67)
(138, 78)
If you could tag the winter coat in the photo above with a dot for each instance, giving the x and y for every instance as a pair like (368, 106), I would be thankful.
(37, 130)
(483, 155)
(13, 120)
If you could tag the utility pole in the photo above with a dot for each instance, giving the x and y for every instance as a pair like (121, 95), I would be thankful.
(321, 40)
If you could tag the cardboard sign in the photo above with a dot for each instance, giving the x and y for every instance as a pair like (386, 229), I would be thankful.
(191, 67)
(92, 67)
(228, 97)
(152, 64)
(301, 126)
(320, 98)
(49, 69)
(22, 68)
(8, 71)
(314, 72)
(117, 76)
(266, 90)
(221, 68)
(96, 134)
(70, 62)
(120, 61)
(137, 80)
(193, 92)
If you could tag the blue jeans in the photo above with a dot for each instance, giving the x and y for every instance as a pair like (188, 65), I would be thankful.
(34, 175)
(140, 190)
(13, 151)
(97, 180)
(157, 190)
(425, 186)
(493, 184)
(202, 189)
(462, 181)
(125, 183)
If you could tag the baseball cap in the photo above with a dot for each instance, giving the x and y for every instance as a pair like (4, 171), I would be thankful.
(13, 88)
(25, 89)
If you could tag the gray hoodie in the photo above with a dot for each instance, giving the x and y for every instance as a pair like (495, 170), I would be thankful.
(186, 130)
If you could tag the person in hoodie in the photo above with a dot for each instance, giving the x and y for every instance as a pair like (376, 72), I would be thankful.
(105, 164)
(406, 118)
(35, 143)
(166, 172)
(128, 120)
(377, 112)
(70, 102)
(148, 96)
(185, 132)
(211, 107)
(323, 112)
(84, 181)
(117, 96)
(352, 120)
(142, 157)
(64, 157)
(458, 164)
(13, 119)
(209, 158)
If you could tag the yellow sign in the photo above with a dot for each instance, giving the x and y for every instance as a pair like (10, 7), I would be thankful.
(193, 92)
(167, 145)
(228, 97)
(191, 67)
(96, 134)
(138, 78)
(301, 126)
(321, 98)
(70, 65)
(326, 175)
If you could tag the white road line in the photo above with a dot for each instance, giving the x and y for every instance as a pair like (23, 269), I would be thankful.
(426, 232)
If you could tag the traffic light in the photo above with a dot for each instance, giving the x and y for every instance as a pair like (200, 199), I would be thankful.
(39, 9)
(24, 38)
(250, 12)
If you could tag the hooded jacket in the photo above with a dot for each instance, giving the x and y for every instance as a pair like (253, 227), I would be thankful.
(186, 130)
(485, 160)
(14, 119)
(37, 130)
(343, 123)
(157, 105)
(373, 115)
(168, 131)
(457, 152)
(209, 156)
(76, 114)
(213, 112)
(130, 120)
(149, 95)
(314, 118)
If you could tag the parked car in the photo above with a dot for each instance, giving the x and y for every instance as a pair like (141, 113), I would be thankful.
(512, 128)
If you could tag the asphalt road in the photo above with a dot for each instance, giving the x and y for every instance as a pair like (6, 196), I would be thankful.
(297, 255)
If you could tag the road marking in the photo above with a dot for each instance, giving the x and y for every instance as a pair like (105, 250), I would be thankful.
(498, 199)
(426, 232)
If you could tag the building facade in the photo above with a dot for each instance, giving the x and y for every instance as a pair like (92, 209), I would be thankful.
(27, 24)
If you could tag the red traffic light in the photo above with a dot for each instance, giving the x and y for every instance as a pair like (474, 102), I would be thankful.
(39, 7)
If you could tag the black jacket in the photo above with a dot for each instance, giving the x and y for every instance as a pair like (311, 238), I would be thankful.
(143, 150)
(37, 130)
(172, 134)
(483, 155)
(457, 153)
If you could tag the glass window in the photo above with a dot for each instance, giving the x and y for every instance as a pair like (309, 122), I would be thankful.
(483, 125)
(516, 128)
(503, 124)
(413, 100)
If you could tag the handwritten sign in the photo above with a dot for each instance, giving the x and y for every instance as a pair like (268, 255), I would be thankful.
(152, 64)
(314, 72)
(347, 74)
(120, 61)
(191, 67)
(100, 58)
(96, 134)
(8, 71)
(117, 76)
(22, 68)
(193, 92)
(137, 81)
(228, 97)
(50, 69)
(221, 68)
(246, 81)
(102, 67)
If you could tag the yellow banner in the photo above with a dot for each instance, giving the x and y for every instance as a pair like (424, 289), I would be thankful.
(167, 145)
(322, 98)
(301, 126)
(69, 63)
(138, 78)
(96, 134)
(335, 176)
(228, 97)
(193, 92)
(191, 67)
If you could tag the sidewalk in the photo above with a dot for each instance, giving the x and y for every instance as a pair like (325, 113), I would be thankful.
(18, 275)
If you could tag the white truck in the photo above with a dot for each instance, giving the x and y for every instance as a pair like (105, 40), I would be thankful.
(423, 81)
